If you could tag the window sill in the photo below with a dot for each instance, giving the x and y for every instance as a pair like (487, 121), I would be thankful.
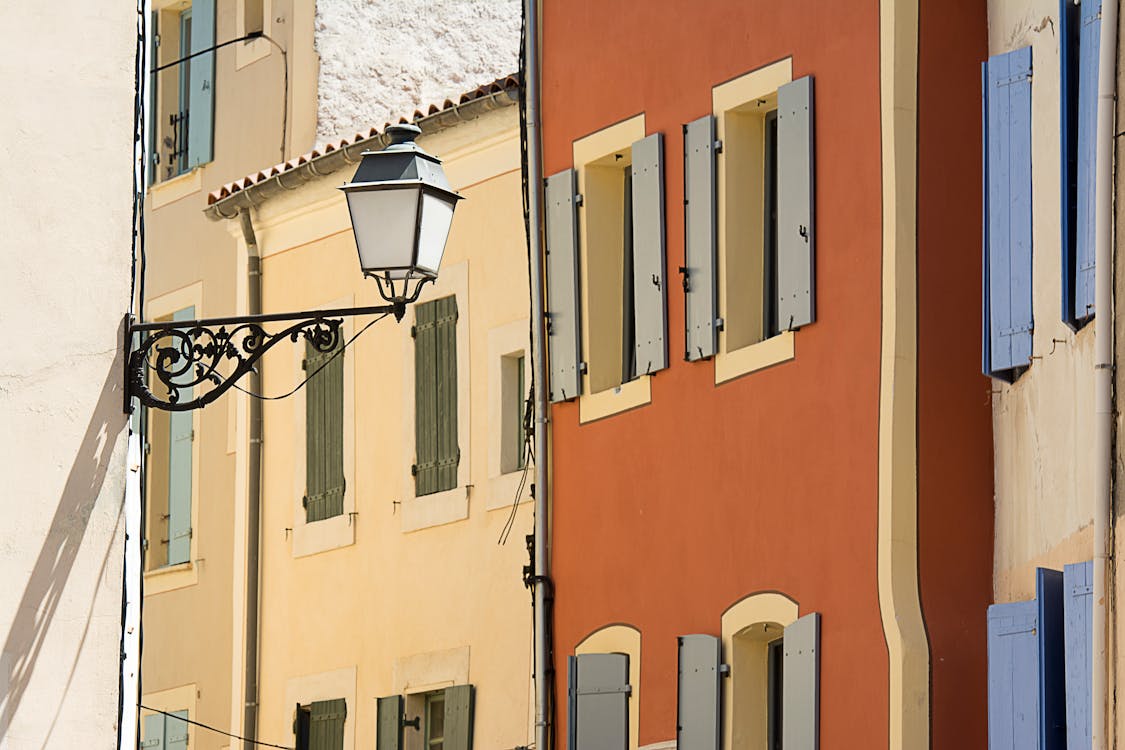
(173, 189)
(170, 577)
(615, 400)
(436, 509)
(327, 534)
(759, 356)
(502, 488)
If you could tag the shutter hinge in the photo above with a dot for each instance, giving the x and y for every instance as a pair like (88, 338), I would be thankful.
(578, 199)
(582, 367)
(413, 332)
(724, 670)
(413, 470)
(1080, 590)
(626, 689)
(718, 146)
(305, 365)
(720, 324)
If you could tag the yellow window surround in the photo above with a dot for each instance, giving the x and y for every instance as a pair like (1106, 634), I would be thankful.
(740, 107)
(600, 160)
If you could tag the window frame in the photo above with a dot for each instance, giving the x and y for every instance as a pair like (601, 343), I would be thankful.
(621, 639)
(505, 343)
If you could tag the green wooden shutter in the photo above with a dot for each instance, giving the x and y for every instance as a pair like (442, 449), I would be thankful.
(201, 97)
(153, 732)
(435, 397)
(388, 723)
(458, 718)
(179, 467)
(324, 434)
(326, 724)
(176, 730)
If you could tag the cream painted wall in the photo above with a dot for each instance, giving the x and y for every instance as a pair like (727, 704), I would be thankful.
(64, 278)
(407, 608)
(1043, 423)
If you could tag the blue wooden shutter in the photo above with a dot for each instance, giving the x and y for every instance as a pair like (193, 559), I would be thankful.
(1008, 247)
(176, 730)
(388, 723)
(564, 332)
(1078, 610)
(796, 261)
(153, 732)
(324, 433)
(600, 713)
(181, 434)
(458, 728)
(326, 724)
(698, 693)
(201, 98)
(1026, 699)
(800, 688)
(1085, 200)
(700, 240)
(650, 308)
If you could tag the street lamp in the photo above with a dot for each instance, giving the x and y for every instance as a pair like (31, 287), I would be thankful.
(401, 208)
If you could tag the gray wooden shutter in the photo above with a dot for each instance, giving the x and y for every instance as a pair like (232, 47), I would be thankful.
(326, 724)
(388, 723)
(1078, 610)
(201, 98)
(700, 246)
(176, 730)
(435, 397)
(458, 730)
(324, 433)
(698, 693)
(650, 308)
(153, 732)
(564, 331)
(180, 437)
(601, 697)
(796, 263)
(800, 690)
(572, 703)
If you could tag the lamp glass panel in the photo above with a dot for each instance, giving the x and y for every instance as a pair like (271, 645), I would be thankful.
(437, 215)
(384, 222)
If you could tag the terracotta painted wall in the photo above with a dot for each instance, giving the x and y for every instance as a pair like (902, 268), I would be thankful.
(955, 514)
(667, 515)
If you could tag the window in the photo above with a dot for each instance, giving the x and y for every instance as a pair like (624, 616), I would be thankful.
(324, 433)
(436, 450)
(170, 475)
(434, 720)
(749, 184)
(514, 448)
(603, 687)
(182, 94)
(1079, 38)
(775, 669)
(319, 725)
(165, 731)
(607, 322)
(1008, 319)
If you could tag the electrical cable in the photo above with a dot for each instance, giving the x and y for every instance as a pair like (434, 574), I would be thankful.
(312, 374)
(214, 729)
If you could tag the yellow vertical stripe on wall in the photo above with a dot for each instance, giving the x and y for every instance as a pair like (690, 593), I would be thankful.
(899, 602)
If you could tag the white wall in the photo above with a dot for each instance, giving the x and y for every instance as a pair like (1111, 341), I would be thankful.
(382, 59)
(67, 76)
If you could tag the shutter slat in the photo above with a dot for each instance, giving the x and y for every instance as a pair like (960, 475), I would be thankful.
(698, 696)
(602, 702)
(388, 720)
(800, 688)
(458, 729)
(180, 428)
(796, 264)
(1078, 609)
(700, 239)
(1085, 199)
(334, 433)
(201, 98)
(564, 337)
(650, 310)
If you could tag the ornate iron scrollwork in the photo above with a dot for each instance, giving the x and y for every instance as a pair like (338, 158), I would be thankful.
(183, 358)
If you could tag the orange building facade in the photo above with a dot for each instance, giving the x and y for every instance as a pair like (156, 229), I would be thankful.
(839, 465)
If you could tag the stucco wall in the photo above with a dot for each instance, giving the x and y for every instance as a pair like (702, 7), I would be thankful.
(64, 289)
(381, 60)
(1042, 423)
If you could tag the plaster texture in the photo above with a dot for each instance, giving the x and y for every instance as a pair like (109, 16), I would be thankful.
(382, 60)
(64, 290)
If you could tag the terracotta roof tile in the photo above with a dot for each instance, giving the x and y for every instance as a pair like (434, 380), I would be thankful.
(500, 84)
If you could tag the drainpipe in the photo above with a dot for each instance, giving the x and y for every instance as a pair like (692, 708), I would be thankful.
(539, 377)
(254, 492)
(1103, 368)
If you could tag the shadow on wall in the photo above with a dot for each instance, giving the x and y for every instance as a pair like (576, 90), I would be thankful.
(48, 578)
